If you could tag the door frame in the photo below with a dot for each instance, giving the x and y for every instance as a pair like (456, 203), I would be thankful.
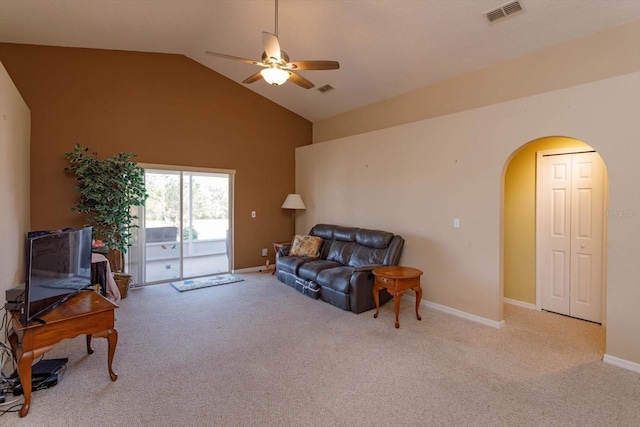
(539, 254)
(175, 168)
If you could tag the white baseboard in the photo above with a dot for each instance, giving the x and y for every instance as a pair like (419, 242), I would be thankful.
(621, 363)
(520, 304)
(459, 313)
(258, 269)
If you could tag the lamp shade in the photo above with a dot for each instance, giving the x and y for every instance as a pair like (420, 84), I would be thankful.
(293, 201)
(275, 76)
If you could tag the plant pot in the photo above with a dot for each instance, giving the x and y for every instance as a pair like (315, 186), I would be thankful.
(122, 280)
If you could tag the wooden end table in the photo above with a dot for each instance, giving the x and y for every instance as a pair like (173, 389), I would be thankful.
(87, 313)
(396, 280)
(276, 248)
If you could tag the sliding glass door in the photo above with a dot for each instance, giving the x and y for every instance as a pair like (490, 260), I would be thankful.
(185, 226)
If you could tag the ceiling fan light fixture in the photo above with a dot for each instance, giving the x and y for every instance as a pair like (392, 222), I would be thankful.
(276, 63)
(275, 76)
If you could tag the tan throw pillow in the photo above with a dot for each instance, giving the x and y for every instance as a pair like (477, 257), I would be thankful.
(305, 246)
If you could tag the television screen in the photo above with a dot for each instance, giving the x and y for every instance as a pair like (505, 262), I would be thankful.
(58, 266)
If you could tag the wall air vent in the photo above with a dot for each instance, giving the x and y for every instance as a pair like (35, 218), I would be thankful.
(325, 88)
(503, 11)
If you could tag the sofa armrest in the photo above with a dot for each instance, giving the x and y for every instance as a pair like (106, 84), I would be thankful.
(368, 267)
(283, 251)
(361, 292)
(394, 250)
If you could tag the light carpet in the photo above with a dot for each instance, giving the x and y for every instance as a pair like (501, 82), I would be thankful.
(205, 282)
(259, 353)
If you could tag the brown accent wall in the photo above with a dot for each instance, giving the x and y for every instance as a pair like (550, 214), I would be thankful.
(168, 110)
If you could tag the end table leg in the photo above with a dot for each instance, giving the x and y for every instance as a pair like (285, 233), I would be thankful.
(418, 291)
(396, 298)
(112, 338)
(376, 299)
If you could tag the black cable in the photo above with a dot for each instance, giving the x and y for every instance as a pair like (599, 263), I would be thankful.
(17, 398)
(4, 349)
(13, 408)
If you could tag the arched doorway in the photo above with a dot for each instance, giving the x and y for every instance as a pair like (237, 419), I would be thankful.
(521, 284)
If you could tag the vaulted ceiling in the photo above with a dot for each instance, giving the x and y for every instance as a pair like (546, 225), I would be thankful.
(385, 47)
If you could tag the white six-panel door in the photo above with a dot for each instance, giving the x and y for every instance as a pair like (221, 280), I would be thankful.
(572, 234)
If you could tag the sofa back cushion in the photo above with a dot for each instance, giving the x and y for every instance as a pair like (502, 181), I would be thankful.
(371, 247)
(340, 251)
(373, 238)
(325, 231)
(364, 255)
(345, 234)
(342, 245)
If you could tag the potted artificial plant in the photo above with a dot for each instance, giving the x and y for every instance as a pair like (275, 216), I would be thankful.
(108, 189)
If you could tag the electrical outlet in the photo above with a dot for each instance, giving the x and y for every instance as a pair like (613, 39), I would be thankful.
(265, 251)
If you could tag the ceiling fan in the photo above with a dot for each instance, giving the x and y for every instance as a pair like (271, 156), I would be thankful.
(277, 68)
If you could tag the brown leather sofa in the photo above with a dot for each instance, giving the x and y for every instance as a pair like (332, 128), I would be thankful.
(342, 273)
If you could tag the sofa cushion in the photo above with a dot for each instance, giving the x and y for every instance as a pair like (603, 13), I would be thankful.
(323, 230)
(336, 278)
(326, 232)
(373, 238)
(345, 234)
(340, 252)
(309, 270)
(305, 246)
(371, 247)
(290, 264)
(364, 255)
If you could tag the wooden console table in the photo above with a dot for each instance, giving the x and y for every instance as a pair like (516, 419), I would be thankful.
(397, 280)
(87, 313)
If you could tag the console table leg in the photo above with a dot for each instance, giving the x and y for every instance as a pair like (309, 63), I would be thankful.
(24, 372)
(112, 338)
(89, 349)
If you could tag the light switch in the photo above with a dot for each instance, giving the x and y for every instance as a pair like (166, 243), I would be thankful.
(456, 222)
(253, 214)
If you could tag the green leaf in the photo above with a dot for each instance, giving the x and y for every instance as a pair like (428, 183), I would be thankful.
(108, 189)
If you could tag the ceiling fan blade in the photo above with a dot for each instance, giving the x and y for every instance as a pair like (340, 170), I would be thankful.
(300, 81)
(271, 46)
(235, 58)
(252, 78)
(314, 65)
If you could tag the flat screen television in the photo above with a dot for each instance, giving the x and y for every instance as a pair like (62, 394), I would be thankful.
(58, 266)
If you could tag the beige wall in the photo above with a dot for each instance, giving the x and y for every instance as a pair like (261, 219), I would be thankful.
(520, 218)
(415, 178)
(168, 110)
(15, 123)
(609, 53)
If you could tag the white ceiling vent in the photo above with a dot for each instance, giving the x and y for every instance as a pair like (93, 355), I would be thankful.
(503, 11)
(325, 88)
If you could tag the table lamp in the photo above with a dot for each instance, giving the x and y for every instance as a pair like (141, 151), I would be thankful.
(293, 202)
